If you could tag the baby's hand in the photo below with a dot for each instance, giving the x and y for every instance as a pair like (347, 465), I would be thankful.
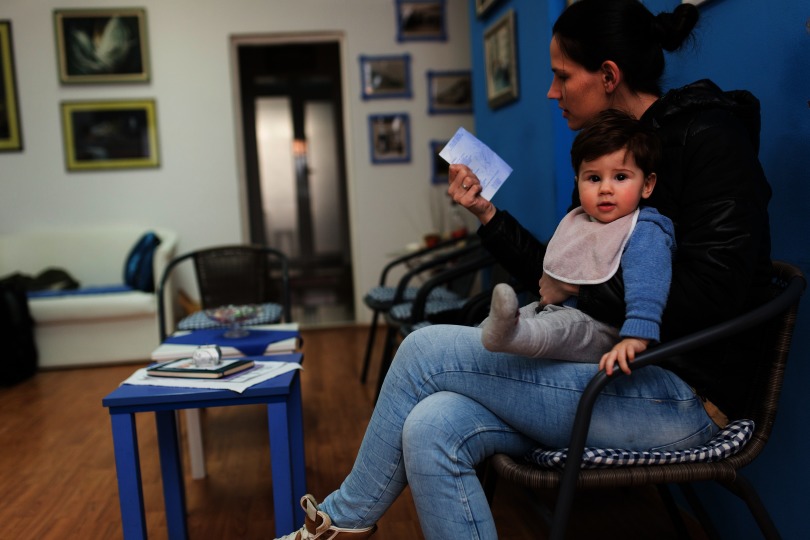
(623, 352)
(553, 291)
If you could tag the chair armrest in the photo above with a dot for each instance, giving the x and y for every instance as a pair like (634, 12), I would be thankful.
(434, 262)
(422, 252)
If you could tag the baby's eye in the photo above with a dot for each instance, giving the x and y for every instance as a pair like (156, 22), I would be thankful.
(621, 177)
(594, 178)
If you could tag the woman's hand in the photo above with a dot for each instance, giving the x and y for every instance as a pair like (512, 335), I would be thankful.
(554, 291)
(623, 352)
(465, 189)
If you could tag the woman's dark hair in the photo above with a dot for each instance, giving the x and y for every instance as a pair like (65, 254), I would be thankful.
(591, 32)
(612, 130)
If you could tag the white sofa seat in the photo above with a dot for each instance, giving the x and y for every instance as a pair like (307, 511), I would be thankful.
(92, 306)
(86, 329)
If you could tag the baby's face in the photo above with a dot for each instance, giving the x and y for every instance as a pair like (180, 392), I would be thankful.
(611, 186)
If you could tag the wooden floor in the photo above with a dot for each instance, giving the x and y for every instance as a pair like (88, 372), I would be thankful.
(57, 473)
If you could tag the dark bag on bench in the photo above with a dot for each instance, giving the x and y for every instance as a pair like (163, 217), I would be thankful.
(19, 350)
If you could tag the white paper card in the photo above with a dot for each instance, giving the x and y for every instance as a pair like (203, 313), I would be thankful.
(262, 371)
(491, 170)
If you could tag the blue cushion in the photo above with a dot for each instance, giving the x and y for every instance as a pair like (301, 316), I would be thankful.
(727, 442)
(381, 297)
(138, 272)
(402, 312)
(268, 314)
(97, 289)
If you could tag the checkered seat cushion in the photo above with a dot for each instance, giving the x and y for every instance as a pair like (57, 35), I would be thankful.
(727, 442)
(402, 312)
(382, 297)
(269, 313)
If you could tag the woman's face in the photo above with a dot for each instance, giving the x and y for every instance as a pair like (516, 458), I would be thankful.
(580, 93)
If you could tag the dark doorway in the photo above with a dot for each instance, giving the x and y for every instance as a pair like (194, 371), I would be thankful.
(292, 118)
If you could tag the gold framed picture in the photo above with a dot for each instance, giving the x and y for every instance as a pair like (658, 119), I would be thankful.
(110, 134)
(101, 45)
(10, 130)
(500, 61)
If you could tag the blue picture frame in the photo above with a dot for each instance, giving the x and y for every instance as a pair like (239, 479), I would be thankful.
(389, 137)
(385, 76)
(450, 92)
(421, 20)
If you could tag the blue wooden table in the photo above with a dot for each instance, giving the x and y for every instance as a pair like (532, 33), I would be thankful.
(282, 395)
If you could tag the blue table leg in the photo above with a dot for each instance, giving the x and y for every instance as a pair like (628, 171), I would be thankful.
(296, 418)
(280, 464)
(172, 473)
(128, 470)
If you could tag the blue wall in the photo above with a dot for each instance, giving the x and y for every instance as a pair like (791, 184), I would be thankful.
(752, 44)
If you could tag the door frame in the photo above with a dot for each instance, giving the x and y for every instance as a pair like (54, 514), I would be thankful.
(238, 40)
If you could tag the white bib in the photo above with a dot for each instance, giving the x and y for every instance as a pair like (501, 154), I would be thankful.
(584, 251)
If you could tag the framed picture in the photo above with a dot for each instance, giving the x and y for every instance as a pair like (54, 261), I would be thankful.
(386, 76)
(419, 20)
(101, 45)
(10, 130)
(110, 134)
(390, 137)
(449, 92)
(440, 170)
(482, 7)
(500, 61)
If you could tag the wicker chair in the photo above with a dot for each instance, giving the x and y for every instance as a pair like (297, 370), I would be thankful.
(232, 274)
(774, 321)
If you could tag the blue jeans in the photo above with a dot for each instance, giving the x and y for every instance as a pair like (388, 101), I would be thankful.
(447, 404)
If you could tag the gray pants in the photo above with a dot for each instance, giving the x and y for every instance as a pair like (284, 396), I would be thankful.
(559, 333)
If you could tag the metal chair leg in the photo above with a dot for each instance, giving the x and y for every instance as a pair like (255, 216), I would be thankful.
(700, 511)
(372, 336)
(674, 512)
(387, 357)
(743, 489)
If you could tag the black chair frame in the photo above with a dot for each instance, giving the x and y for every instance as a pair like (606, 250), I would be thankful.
(480, 260)
(273, 266)
(398, 261)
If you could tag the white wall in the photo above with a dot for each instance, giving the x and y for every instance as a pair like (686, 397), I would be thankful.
(197, 188)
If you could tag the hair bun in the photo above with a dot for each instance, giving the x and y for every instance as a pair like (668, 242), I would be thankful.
(672, 29)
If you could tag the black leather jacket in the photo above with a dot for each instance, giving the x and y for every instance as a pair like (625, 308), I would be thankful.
(712, 186)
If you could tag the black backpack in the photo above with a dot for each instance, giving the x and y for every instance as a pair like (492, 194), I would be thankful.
(16, 334)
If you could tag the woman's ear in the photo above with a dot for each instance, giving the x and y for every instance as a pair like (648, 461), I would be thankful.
(610, 75)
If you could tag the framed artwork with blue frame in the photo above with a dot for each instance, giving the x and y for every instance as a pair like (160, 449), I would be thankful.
(449, 92)
(390, 137)
(386, 76)
(440, 170)
(421, 20)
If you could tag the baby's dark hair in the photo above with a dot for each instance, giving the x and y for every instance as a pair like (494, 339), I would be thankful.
(612, 130)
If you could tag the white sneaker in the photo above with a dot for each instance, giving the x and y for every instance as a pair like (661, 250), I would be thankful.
(318, 526)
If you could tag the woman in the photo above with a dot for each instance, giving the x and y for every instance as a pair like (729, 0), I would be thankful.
(447, 403)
